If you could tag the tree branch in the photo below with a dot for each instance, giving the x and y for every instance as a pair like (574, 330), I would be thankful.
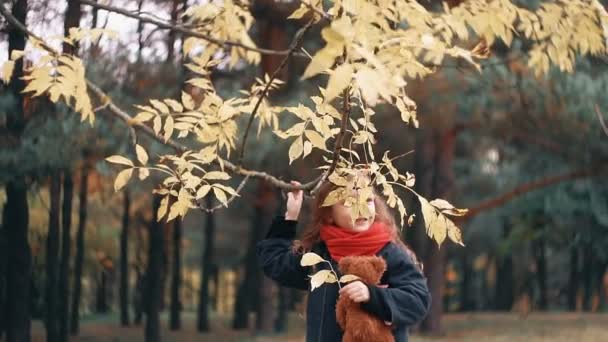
(182, 29)
(125, 117)
(533, 185)
(297, 39)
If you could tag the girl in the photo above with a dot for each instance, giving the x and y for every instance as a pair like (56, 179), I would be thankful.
(403, 298)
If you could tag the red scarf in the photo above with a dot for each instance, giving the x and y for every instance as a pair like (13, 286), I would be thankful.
(343, 242)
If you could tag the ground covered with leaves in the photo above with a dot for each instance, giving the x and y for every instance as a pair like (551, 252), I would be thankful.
(553, 327)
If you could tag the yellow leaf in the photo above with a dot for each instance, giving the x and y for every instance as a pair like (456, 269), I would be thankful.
(176, 106)
(333, 197)
(315, 138)
(307, 148)
(187, 101)
(16, 54)
(160, 106)
(331, 278)
(348, 278)
(142, 156)
(143, 173)
(203, 191)
(142, 117)
(325, 57)
(216, 175)
(221, 196)
(7, 71)
(162, 209)
(340, 78)
(337, 179)
(157, 124)
(447, 208)
(299, 13)
(310, 259)
(319, 279)
(175, 210)
(168, 128)
(116, 159)
(454, 233)
(122, 179)
(410, 220)
(296, 149)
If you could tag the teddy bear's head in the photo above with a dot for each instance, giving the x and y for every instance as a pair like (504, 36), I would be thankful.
(368, 268)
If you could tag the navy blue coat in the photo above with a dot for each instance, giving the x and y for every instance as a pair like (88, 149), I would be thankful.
(405, 302)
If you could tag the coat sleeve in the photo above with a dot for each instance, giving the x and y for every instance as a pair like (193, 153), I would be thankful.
(406, 300)
(276, 257)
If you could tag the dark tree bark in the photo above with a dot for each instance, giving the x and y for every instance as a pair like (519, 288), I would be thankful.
(244, 302)
(442, 187)
(153, 280)
(207, 270)
(573, 278)
(504, 294)
(541, 269)
(466, 302)
(82, 219)
(587, 276)
(140, 288)
(101, 305)
(16, 309)
(176, 276)
(52, 259)
(66, 243)
(124, 261)
(172, 34)
(280, 324)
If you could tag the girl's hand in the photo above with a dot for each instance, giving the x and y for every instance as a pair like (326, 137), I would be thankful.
(294, 203)
(356, 291)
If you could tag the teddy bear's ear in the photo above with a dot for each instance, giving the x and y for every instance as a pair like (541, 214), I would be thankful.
(379, 265)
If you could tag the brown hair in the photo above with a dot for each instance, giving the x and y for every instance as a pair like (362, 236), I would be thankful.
(322, 214)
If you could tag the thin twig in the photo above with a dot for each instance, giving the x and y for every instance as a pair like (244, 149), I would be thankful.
(297, 39)
(320, 12)
(182, 29)
(340, 137)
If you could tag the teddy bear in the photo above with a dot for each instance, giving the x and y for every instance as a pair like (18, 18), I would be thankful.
(359, 325)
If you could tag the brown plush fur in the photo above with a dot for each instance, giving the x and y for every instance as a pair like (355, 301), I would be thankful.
(359, 325)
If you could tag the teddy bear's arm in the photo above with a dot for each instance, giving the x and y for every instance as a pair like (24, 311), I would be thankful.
(341, 313)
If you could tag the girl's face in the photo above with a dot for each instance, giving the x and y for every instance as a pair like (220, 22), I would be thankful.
(341, 217)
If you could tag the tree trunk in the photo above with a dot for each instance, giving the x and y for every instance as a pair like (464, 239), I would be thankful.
(153, 280)
(206, 270)
(244, 302)
(435, 260)
(280, 324)
(504, 295)
(466, 302)
(140, 287)
(66, 243)
(19, 263)
(124, 261)
(52, 250)
(4, 314)
(176, 277)
(172, 34)
(101, 305)
(541, 275)
(573, 279)
(587, 277)
(15, 223)
(82, 218)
